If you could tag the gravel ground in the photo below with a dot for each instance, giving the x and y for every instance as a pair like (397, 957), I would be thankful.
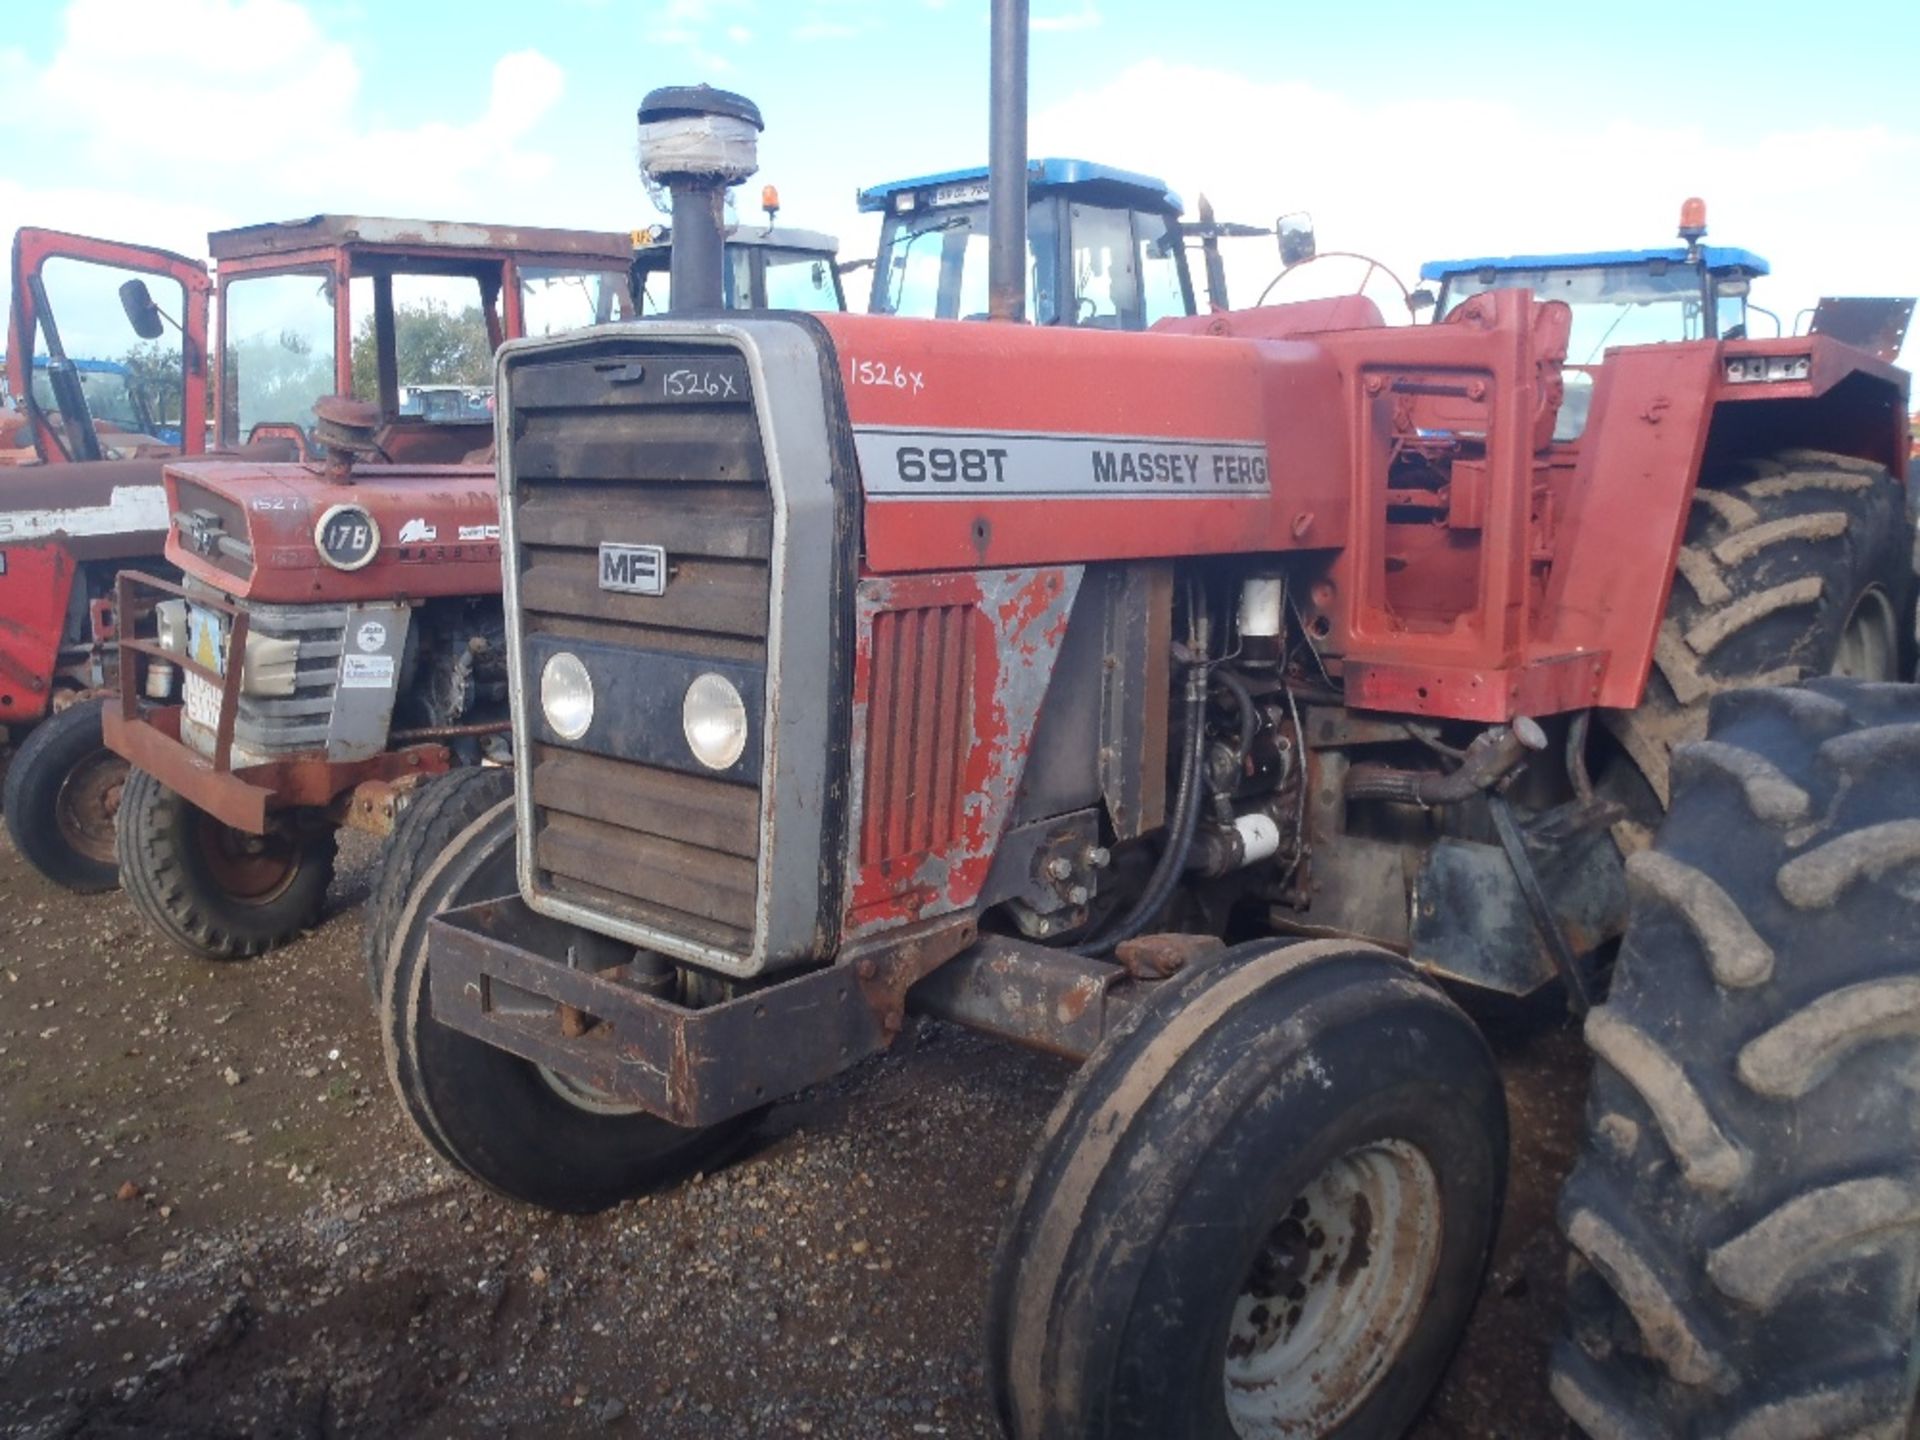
(214, 1222)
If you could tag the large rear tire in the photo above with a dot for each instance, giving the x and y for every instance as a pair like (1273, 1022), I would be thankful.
(1262, 1209)
(62, 792)
(1794, 566)
(217, 892)
(1746, 1210)
(519, 1130)
(438, 811)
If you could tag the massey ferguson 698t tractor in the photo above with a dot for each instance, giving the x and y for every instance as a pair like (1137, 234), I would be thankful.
(1220, 704)
(337, 639)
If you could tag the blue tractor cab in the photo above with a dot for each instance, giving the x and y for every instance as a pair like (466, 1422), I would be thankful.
(1619, 297)
(115, 399)
(1689, 291)
(1105, 247)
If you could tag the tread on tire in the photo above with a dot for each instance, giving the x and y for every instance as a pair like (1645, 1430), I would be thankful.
(1745, 1213)
(54, 750)
(165, 872)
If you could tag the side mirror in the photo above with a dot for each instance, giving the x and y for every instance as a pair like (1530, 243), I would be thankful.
(1296, 238)
(142, 313)
(1732, 287)
(1422, 300)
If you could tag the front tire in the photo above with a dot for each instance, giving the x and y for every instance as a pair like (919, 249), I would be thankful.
(438, 811)
(1262, 1209)
(1745, 1214)
(62, 792)
(216, 892)
(522, 1132)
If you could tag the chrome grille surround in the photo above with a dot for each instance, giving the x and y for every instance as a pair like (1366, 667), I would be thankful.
(796, 809)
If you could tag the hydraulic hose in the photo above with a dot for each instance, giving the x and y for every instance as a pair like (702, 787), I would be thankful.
(1180, 831)
(1493, 754)
(1249, 718)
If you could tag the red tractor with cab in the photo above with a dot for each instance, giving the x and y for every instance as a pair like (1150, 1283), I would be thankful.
(336, 639)
(79, 497)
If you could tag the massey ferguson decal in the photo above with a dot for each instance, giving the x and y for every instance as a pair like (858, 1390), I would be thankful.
(918, 464)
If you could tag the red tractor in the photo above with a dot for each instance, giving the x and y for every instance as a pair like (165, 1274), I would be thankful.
(79, 497)
(1221, 705)
(337, 636)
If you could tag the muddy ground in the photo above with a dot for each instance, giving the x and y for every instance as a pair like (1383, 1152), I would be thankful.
(214, 1222)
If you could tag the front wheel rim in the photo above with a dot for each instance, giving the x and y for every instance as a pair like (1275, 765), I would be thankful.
(1869, 643)
(250, 870)
(582, 1096)
(88, 801)
(1336, 1291)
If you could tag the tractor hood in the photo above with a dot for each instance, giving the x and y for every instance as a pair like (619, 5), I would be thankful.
(103, 510)
(290, 534)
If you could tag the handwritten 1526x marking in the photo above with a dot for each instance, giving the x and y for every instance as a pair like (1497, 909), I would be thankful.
(880, 375)
(702, 384)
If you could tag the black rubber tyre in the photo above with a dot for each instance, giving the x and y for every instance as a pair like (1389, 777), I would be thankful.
(62, 790)
(1745, 1214)
(1787, 563)
(1195, 1167)
(438, 811)
(498, 1117)
(213, 891)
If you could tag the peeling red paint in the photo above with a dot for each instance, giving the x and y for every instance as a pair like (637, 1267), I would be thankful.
(1019, 618)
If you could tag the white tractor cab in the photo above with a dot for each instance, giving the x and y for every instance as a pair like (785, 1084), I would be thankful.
(770, 267)
(1690, 291)
(1106, 248)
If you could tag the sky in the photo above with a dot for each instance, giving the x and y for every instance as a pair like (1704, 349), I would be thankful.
(1407, 131)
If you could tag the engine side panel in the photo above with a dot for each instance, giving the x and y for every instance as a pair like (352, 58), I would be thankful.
(988, 446)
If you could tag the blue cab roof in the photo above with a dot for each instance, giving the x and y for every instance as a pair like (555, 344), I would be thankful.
(85, 367)
(1718, 257)
(1042, 174)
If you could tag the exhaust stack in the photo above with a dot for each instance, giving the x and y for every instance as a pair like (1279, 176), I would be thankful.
(1007, 164)
(697, 141)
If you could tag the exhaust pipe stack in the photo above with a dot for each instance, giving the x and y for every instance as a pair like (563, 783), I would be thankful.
(1007, 165)
(696, 141)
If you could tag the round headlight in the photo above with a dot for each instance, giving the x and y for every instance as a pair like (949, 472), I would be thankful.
(715, 719)
(566, 695)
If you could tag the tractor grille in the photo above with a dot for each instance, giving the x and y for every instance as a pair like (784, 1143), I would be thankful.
(270, 728)
(918, 727)
(667, 845)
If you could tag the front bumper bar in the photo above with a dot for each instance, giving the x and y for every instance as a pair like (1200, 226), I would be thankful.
(148, 735)
(243, 798)
(491, 979)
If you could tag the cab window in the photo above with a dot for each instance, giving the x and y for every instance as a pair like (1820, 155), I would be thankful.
(279, 349)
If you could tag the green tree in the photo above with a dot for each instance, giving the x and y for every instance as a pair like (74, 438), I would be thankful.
(153, 369)
(274, 377)
(432, 346)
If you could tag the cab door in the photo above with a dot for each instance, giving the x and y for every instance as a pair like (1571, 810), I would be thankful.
(107, 348)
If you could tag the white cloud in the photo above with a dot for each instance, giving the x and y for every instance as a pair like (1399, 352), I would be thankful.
(1408, 179)
(256, 77)
(1085, 18)
(261, 106)
(526, 85)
